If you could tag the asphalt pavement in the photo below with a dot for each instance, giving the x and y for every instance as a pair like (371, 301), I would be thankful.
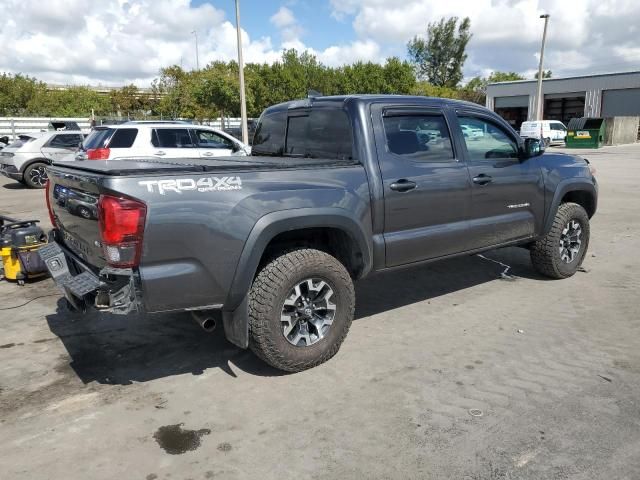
(472, 368)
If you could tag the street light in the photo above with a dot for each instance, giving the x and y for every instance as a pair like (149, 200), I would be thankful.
(195, 32)
(243, 101)
(539, 100)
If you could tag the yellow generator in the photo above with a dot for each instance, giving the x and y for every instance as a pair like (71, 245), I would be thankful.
(19, 244)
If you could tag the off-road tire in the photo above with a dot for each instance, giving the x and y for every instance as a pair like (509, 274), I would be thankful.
(28, 180)
(545, 253)
(266, 298)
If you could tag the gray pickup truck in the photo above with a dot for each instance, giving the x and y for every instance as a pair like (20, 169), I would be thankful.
(336, 188)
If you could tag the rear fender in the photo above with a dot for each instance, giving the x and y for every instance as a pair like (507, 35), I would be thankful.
(235, 311)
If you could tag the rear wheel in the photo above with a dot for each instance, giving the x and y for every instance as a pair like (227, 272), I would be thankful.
(35, 175)
(301, 306)
(561, 251)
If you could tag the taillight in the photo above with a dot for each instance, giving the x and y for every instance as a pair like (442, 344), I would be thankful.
(98, 154)
(121, 223)
(52, 218)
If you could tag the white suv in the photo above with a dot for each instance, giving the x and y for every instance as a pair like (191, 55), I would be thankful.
(173, 140)
(26, 159)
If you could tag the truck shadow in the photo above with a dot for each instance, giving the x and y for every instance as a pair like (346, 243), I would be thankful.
(394, 289)
(119, 350)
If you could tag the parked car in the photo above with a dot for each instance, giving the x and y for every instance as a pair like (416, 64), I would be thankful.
(26, 159)
(550, 131)
(336, 188)
(473, 133)
(236, 132)
(160, 140)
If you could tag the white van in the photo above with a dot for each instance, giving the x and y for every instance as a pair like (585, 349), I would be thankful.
(552, 131)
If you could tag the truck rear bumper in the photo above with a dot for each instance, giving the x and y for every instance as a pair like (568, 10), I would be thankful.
(111, 290)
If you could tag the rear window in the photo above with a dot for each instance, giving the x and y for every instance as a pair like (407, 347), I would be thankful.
(98, 138)
(171, 138)
(22, 140)
(315, 133)
(269, 136)
(123, 138)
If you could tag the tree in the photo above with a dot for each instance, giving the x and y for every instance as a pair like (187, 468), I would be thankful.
(545, 74)
(126, 100)
(439, 59)
(73, 101)
(476, 89)
(16, 91)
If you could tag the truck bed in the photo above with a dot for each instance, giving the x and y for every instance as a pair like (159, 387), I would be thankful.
(150, 165)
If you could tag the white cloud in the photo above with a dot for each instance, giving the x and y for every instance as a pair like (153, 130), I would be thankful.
(118, 41)
(283, 18)
(592, 36)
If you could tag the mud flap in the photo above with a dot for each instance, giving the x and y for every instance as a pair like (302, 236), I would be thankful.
(236, 324)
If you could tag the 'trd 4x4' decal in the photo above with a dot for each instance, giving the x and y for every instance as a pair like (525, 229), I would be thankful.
(179, 185)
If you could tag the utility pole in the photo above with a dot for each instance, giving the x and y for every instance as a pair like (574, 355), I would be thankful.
(539, 99)
(243, 101)
(195, 32)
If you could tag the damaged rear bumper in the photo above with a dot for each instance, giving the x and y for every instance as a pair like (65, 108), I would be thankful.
(112, 290)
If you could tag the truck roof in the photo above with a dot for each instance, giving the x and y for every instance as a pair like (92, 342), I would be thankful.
(364, 99)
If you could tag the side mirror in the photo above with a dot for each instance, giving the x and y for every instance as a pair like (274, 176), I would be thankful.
(532, 147)
(236, 147)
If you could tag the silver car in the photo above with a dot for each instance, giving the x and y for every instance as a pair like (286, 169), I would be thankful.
(26, 159)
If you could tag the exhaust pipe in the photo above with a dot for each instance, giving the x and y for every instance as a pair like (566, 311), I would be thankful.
(205, 320)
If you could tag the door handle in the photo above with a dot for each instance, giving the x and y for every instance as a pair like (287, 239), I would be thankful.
(403, 185)
(207, 154)
(160, 153)
(482, 179)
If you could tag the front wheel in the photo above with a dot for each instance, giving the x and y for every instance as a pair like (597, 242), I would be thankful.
(561, 251)
(301, 306)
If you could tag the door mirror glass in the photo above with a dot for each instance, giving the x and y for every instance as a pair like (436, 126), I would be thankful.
(533, 147)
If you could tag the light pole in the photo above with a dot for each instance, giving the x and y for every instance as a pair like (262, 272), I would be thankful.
(195, 33)
(539, 99)
(243, 101)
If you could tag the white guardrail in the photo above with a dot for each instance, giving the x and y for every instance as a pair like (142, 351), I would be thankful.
(14, 126)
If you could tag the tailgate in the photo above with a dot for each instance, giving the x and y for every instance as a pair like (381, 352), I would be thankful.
(73, 199)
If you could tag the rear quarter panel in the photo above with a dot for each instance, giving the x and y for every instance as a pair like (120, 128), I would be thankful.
(193, 239)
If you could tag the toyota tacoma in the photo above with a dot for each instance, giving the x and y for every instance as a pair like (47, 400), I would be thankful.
(336, 188)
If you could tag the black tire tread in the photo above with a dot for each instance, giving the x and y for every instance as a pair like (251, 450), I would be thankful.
(543, 251)
(262, 298)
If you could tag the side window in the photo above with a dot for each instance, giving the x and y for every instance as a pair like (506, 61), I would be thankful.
(329, 134)
(123, 138)
(65, 141)
(486, 140)
(171, 138)
(420, 136)
(269, 136)
(209, 139)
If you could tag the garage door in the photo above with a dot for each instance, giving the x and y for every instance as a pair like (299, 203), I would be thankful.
(620, 103)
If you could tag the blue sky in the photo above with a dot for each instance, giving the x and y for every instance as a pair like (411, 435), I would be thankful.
(115, 42)
(320, 29)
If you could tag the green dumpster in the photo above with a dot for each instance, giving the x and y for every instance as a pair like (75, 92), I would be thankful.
(585, 132)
